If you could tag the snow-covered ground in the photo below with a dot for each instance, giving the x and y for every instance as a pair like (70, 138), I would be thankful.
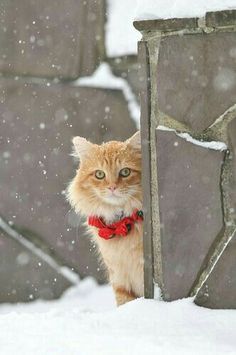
(85, 321)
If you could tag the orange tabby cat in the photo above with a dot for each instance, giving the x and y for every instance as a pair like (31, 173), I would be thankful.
(107, 188)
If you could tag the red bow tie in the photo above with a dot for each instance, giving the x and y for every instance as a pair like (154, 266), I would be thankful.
(121, 227)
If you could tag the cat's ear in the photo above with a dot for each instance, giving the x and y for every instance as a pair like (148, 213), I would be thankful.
(135, 141)
(81, 146)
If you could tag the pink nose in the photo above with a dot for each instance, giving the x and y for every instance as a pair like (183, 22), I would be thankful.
(112, 188)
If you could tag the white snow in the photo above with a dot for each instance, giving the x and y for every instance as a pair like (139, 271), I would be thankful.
(150, 9)
(104, 78)
(85, 321)
(121, 36)
(42, 125)
(186, 136)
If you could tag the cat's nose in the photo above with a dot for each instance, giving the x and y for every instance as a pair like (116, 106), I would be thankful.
(112, 188)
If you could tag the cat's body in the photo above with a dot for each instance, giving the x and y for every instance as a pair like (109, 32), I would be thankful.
(108, 185)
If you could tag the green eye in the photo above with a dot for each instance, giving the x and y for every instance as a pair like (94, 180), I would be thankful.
(125, 172)
(99, 174)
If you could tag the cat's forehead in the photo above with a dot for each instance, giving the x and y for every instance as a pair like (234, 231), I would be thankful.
(111, 152)
(113, 149)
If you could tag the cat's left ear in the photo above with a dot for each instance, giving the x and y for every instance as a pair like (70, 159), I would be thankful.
(82, 146)
(135, 141)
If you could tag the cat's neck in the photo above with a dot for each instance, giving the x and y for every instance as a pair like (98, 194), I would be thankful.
(111, 214)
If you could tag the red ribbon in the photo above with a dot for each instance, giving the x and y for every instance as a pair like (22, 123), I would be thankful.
(119, 228)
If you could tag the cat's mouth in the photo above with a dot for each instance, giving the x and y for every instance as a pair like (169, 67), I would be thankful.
(114, 198)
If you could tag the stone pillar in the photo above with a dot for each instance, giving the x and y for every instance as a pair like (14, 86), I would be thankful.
(188, 127)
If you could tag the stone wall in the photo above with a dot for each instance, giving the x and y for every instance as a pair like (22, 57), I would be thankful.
(46, 48)
(188, 125)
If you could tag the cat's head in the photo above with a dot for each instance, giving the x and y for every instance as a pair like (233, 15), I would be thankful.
(109, 176)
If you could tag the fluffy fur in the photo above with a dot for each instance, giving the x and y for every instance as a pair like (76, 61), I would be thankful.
(110, 198)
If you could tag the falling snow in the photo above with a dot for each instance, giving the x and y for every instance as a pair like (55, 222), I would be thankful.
(42, 125)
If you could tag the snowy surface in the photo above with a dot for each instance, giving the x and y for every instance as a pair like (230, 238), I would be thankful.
(186, 136)
(121, 36)
(104, 78)
(150, 9)
(85, 321)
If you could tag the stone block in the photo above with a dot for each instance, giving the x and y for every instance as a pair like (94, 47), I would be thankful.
(221, 18)
(190, 209)
(193, 71)
(128, 68)
(232, 187)
(190, 227)
(62, 39)
(173, 24)
(36, 127)
(25, 277)
(219, 289)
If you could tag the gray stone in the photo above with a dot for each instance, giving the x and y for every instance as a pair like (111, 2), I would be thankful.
(232, 137)
(190, 209)
(193, 72)
(36, 127)
(173, 24)
(146, 171)
(56, 38)
(191, 212)
(221, 18)
(25, 277)
(219, 289)
(128, 68)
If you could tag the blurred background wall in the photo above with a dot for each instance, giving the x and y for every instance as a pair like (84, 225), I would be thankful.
(66, 68)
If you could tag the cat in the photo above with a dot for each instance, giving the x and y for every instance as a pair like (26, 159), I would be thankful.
(106, 189)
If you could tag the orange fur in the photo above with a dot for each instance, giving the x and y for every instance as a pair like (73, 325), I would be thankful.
(123, 256)
(122, 296)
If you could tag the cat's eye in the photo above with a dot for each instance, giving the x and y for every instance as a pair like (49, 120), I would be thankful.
(99, 174)
(125, 172)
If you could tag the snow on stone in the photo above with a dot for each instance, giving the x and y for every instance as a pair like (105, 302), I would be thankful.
(151, 9)
(85, 321)
(157, 292)
(186, 136)
(121, 36)
(104, 78)
(210, 145)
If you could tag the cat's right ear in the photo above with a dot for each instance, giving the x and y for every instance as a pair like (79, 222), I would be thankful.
(81, 146)
(135, 140)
